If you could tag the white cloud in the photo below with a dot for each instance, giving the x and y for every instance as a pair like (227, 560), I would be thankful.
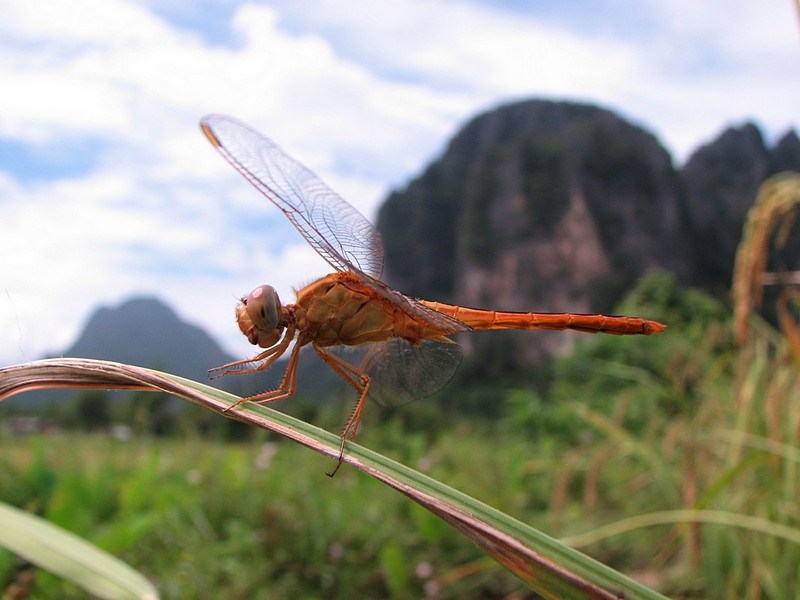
(684, 69)
(365, 93)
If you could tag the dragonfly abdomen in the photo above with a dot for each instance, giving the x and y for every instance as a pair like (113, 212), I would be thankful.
(492, 319)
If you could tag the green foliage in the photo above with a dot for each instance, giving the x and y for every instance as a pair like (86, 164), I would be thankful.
(691, 421)
(259, 520)
(664, 374)
(93, 410)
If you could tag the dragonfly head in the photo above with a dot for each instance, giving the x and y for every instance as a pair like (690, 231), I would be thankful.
(259, 317)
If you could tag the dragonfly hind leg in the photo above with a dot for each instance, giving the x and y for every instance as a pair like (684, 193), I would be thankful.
(361, 382)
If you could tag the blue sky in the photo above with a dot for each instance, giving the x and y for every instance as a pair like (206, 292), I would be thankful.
(108, 189)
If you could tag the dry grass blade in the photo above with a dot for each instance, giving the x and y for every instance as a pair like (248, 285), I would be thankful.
(84, 373)
(774, 203)
(550, 568)
(788, 323)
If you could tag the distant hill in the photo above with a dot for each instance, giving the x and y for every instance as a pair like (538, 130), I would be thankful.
(148, 333)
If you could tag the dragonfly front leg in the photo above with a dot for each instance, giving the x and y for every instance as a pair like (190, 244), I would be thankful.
(361, 382)
(264, 360)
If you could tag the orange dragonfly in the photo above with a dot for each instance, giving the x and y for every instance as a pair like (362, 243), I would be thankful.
(410, 353)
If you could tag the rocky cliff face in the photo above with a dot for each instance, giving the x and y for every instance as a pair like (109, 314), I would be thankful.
(555, 206)
(528, 192)
(722, 179)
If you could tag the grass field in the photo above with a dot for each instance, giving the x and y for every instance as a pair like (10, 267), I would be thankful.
(261, 519)
(679, 467)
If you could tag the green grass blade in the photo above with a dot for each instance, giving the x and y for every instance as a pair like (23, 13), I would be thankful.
(65, 554)
(674, 517)
(547, 566)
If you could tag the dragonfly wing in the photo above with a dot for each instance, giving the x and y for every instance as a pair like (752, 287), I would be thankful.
(402, 372)
(333, 227)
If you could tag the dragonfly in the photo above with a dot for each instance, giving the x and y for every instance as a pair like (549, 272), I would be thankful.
(410, 351)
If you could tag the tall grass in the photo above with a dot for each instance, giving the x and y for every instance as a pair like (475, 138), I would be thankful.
(706, 475)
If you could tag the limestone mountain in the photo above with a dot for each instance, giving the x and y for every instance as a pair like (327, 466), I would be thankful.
(555, 206)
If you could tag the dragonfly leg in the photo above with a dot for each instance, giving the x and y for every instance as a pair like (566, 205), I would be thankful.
(264, 360)
(288, 383)
(284, 390)
(361, 382)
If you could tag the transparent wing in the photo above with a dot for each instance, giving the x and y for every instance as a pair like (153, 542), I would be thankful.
(332, 226)
(402, 372)
(335, 229)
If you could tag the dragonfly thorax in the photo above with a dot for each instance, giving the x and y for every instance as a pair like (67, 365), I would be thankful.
(259, 317)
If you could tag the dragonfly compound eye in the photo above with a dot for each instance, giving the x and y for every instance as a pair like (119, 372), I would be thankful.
(264, 308)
